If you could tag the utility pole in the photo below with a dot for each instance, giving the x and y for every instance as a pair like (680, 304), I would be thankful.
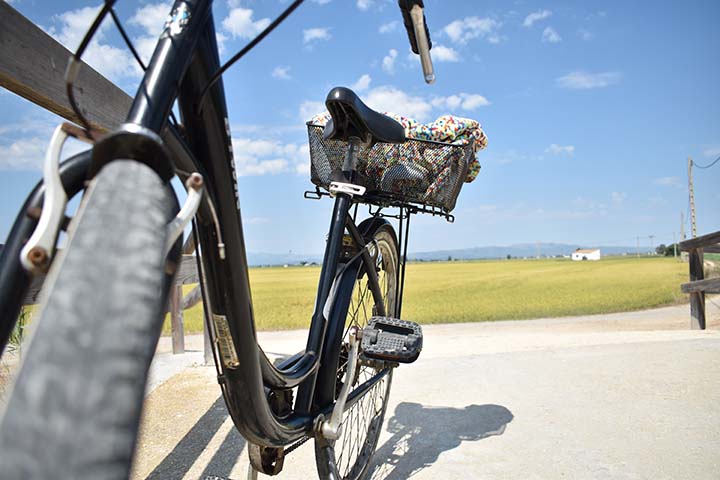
(652, 249)
(637, 246)
(675, 245)
(693, 227)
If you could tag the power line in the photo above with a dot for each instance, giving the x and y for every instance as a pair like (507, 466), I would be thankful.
(707, 166)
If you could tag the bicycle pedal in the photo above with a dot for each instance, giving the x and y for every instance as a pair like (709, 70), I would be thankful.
(392, 339)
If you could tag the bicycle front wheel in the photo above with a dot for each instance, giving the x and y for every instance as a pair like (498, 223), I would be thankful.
(348, 458)
(75, 408)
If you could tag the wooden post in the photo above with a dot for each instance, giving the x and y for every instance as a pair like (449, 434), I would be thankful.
(207, 345)
(697, 299)
(176, 319)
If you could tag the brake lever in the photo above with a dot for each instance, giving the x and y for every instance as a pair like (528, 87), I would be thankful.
(418, 34)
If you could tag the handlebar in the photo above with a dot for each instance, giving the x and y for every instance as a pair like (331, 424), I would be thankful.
(418, 34)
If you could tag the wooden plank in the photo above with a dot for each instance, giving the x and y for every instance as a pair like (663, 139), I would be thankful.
(188, 270)
(697, 299)
(708, 285)
(186, 275)
(32, 65)
(712, 249)
(192, 298)
(699, 242)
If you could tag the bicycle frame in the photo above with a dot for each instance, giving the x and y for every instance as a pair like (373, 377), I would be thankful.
(192, 55)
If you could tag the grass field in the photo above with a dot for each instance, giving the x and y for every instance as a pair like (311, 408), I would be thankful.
(447, 292)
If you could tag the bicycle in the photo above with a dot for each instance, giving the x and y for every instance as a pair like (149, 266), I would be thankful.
(77, 400)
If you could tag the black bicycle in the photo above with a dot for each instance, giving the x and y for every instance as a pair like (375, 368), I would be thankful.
(75, 408)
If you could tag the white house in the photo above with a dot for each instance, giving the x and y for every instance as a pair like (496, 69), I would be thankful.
(586, 254)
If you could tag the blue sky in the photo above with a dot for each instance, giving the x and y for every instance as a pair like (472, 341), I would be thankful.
(591, 110)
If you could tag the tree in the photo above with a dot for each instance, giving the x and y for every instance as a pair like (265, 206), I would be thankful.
(660, 249)
(508, 256)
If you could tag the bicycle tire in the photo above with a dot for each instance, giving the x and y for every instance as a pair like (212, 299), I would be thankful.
(349, 457)
(75, 408)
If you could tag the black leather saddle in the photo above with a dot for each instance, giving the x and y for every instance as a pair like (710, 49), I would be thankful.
(352, 118)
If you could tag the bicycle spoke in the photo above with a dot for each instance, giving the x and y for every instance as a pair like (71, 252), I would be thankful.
(361, 422)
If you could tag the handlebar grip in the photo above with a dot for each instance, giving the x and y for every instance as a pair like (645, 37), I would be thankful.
(418, 34)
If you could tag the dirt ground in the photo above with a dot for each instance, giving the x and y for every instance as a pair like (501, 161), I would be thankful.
(630, 395)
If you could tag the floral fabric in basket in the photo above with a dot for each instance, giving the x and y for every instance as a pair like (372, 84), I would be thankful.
(446, 129)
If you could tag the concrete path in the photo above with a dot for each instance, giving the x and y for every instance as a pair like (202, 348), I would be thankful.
(629, 396)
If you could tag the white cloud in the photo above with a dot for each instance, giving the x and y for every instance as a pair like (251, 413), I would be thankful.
(362, 84)
(268, 157)
(316, 35)
(549, 35)
(112, 62)
(391, 99)
(389, 27)
(388, 62)
(221, 38)
(585, 34)
(151, 18)
(712, 152)
(461, 31)
(24, 154)
(618, 197)
(256, 220)
(582, 80)
(364, 4)
(667, 181)
(556, 149)
(308, 109)
(321, 2)
(29, 153)
(282, 73)
(240, 24)
(466, 101)
(441, 53)
(536, 17)
(387, 98)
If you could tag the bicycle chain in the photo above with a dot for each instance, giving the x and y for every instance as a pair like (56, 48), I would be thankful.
(296, 445)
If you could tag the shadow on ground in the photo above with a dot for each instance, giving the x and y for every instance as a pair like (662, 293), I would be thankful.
(420, 434)
(186, 452)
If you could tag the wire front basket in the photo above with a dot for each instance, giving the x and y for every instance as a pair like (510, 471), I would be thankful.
(417, 172)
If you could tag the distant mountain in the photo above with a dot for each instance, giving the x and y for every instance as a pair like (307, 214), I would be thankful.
(520, 250)
(258, 259)
(517, 250)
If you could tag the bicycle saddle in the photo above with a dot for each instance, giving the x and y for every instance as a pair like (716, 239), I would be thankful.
(352, 118)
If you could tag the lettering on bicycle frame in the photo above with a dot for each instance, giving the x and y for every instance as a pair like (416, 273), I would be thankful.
(177, 20)
(224, 341)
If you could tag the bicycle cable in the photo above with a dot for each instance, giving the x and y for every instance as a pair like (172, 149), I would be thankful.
(74, 63)
(707, 166)
(216, 76)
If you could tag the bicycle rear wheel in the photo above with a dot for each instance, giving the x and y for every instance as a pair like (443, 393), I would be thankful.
(75, 408)
(349, 457)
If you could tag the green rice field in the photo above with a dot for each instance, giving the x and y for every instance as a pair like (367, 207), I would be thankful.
(484, 290)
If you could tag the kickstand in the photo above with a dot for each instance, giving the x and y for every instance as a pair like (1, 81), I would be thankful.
(252, 473)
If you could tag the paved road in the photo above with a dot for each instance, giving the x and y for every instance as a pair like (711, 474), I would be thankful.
(628, 396)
